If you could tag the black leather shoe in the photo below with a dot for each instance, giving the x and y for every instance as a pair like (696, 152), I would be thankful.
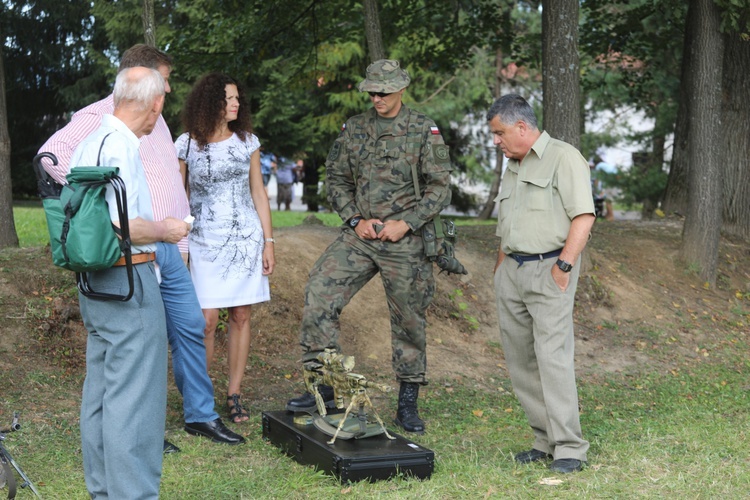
(533, 455)
(306, 402)
(216, 431)
(566, 465)
(170, 448)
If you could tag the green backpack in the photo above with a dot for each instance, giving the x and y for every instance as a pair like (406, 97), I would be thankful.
(82, 236)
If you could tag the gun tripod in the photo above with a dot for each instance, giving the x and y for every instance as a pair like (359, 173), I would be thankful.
(7, 479)
(360, 400)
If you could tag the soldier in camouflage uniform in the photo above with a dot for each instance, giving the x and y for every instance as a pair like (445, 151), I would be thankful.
(370, 181)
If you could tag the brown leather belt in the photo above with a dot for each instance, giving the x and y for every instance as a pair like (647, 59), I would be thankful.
(138, 258)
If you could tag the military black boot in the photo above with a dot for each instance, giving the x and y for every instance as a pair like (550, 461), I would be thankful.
(407, 416)
(306, 402)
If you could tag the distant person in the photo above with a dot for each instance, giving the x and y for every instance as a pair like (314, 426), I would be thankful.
(124, 401)
(185, 324)
(284, 183)
(601, 169)
(596, 192)
(383, 217)
(310, 182)
(299, 170)
(267, 165)
(545, 216)
(231, 241)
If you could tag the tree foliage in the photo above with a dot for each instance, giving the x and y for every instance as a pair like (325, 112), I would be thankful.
(49, 72)
(301, 61)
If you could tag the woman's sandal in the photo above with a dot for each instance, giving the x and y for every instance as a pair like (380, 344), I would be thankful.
(236, 410)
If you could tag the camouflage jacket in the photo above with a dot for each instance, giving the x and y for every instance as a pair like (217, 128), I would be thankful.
(373, 176)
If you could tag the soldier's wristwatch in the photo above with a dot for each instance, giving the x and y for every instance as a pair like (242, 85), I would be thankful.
(564, 266)
(355, 220)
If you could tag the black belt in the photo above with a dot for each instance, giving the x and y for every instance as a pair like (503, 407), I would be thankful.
(537, 256)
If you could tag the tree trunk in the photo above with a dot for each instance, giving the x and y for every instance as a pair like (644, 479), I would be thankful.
(372, 31)
(735, 122)
(702, 229)
(149, 24)
(561, 78)
(676, 194)
(489, 206)
(8, 236)
(560, 70)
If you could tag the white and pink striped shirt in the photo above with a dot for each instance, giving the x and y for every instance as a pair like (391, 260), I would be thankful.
(157, 152)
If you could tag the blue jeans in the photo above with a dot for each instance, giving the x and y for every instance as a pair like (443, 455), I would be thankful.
(185, 327)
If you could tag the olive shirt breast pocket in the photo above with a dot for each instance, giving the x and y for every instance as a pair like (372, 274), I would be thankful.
(503, 201)
(537, 193)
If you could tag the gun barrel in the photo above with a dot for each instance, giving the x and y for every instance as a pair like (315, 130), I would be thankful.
(15, 426)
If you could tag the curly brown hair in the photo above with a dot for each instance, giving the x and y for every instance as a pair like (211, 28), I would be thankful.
(205, 106)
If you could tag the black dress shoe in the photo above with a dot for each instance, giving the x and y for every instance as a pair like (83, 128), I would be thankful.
(566, 465)
(533, 455)
(170, 448)
(306, 402)
(216, 431)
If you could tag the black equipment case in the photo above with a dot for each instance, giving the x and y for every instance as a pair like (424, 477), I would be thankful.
(350, 460)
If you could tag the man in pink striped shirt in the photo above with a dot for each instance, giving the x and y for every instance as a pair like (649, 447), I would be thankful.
(185, 322)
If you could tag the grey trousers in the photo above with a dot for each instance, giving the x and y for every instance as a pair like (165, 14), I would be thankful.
(536, 327)
(125, 392)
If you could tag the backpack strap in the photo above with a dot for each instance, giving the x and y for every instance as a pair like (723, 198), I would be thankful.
(99, 155)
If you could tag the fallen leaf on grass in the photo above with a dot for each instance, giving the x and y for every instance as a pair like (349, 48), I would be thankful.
(478, 413)
(551, 481)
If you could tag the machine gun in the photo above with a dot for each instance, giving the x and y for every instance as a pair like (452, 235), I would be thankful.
(335, 371)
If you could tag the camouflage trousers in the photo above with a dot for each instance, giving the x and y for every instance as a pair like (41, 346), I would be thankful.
(347, 265)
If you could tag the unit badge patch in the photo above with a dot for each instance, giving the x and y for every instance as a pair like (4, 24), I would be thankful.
(441, 152)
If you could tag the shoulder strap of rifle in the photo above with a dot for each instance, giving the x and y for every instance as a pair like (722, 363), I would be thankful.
(415, 127)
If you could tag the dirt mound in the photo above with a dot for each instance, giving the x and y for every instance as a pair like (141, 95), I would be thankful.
(462, 331)
(637, 307)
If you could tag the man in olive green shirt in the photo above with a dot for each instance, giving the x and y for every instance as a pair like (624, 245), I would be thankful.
(545, 216)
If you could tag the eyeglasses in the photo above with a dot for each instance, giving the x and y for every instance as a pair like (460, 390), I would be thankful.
(380, 94)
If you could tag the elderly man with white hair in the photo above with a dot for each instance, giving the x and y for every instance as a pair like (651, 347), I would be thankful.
(123, 408)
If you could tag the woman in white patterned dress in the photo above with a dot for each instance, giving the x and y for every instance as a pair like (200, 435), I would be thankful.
(231, 241)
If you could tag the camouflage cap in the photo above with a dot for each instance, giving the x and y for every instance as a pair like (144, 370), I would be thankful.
(384, 75)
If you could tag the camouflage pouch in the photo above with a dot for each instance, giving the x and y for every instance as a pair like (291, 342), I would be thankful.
(430, 240)
(439, 237)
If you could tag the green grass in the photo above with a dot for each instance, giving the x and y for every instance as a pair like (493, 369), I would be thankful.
(662, 432)
(31, 226)
(652, 435)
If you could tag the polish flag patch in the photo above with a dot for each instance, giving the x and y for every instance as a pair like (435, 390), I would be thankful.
(343, 127)
(434, 131)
